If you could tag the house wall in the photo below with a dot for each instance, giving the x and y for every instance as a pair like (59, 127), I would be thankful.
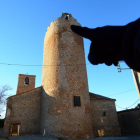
(24, 109)
(129, 121)
(104, 125)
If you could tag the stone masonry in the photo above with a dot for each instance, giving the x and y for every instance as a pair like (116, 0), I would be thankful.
(129, 121)
(22, 87)
(104, 116)
(62, 106)
(24, 109)
(64, 77)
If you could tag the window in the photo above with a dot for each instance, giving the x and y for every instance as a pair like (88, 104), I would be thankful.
(103, 114)
(26, 82)
(76, 100)
(66, 17)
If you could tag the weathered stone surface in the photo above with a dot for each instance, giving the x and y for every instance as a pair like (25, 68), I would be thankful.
(104, 125)
(64, 77)
(129, 121)
(24, 109)
(21, 86)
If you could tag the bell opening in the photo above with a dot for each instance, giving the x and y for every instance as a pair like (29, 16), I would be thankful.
(66, 17)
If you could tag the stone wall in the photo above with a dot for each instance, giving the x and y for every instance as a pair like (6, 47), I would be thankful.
(21, 87)
(129, 121)
(64, 77)
(104, 118)
(24, 109)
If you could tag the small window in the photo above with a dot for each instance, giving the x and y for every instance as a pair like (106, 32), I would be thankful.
(26, 82)
(66, 17)
(103, 114)
(77, 101)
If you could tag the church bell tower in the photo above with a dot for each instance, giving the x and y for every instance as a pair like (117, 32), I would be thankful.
(25, 83)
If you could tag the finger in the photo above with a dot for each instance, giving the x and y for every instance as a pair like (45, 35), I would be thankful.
(82, 31)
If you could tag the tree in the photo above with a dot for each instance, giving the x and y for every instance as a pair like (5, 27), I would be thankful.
(138, 106)
(3, 94)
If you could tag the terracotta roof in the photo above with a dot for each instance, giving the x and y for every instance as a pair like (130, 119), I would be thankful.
(98, 97)
(25, 92)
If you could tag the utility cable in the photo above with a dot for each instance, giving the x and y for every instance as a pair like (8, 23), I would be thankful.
(125, 68)
(41, 65)
(129, 106)
(122, 92)
(120, 107)
(133, 103)
(9, 64)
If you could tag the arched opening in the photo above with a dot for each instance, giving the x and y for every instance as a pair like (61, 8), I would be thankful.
(66, 17)
(26, 82)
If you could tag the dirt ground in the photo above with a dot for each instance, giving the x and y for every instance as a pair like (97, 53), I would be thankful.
(38, 137)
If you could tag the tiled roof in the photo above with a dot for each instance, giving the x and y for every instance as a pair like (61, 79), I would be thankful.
(98, 97)
(25, 92)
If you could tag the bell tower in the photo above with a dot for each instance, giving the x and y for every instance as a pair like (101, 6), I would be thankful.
(65, 97)
(25, 83)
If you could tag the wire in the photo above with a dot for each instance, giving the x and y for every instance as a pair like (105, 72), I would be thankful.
(40, 65)
(129, 106)
(133, 103)
(50, 65)
(120, 107)
(122, 92)
(120, 69)
(125, 68)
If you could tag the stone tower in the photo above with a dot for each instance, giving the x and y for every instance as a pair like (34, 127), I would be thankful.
(25, 83)
(65, 98)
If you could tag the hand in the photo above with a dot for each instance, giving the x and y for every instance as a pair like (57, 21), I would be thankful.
(110, 44)
(99, 51)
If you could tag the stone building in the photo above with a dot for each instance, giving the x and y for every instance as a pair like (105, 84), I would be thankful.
(62, 106)
(129, 121)
(104, 118)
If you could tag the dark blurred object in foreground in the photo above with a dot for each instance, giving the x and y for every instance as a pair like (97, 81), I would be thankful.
(111, 44)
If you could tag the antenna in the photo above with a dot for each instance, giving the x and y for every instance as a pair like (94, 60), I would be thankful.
(120, 69)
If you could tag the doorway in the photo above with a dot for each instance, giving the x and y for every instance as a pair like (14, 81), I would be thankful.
(15, 129)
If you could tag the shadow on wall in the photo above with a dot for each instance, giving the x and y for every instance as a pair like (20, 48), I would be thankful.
(1, 123)
(1, 127)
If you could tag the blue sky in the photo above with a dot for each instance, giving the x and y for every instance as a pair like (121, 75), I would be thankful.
(22, 29)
